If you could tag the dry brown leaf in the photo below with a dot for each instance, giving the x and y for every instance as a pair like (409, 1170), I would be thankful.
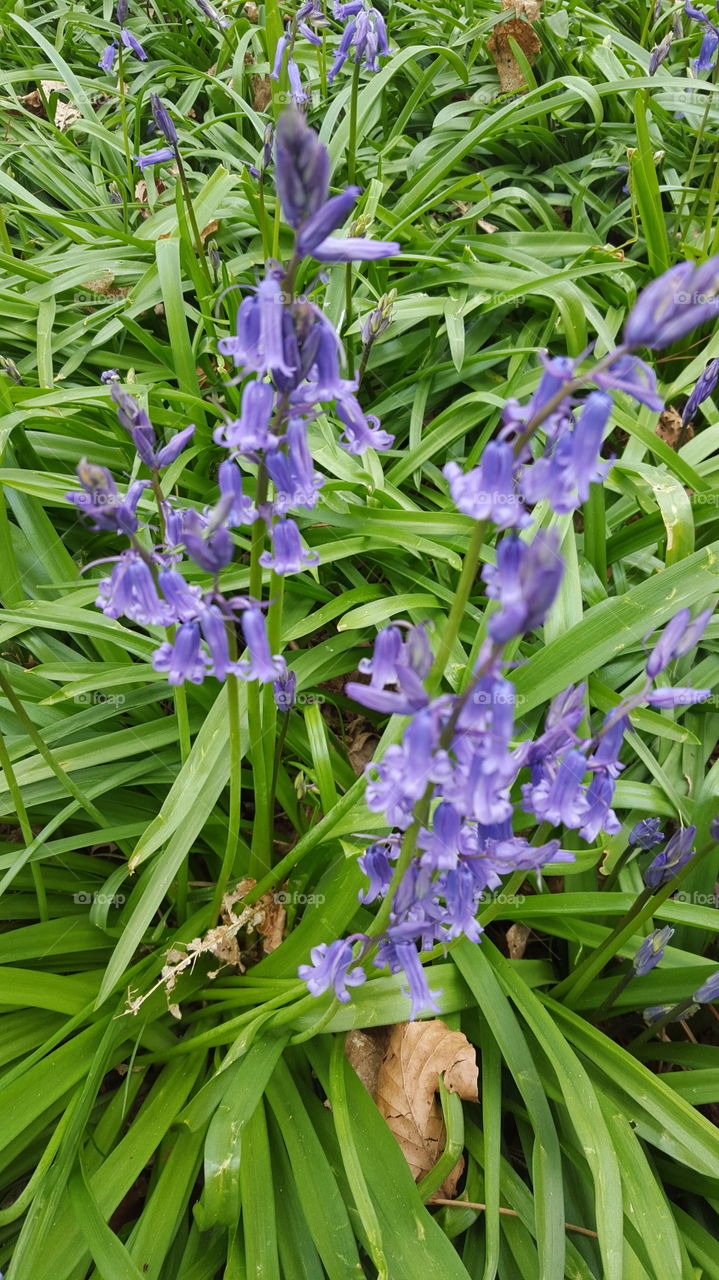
(209, 230)
(261, 92)
(361, 743)
(530, 8)
(417, 1054)
(251, 11)
(104, 287)
(517, 937)
(65, 114)
(669, 429)
(510, 75)
(271, 926)
(33, 102)
(365, 1051)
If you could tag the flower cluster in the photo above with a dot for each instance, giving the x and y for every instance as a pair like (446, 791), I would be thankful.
(364, 39)
(365, 33)
(710, 39)
(293, 356)
(109, 53)
(510, 478)
(451, 789)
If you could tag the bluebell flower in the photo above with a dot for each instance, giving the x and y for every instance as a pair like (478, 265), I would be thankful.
(679, 636)
(183, 658)
(659, 53)
(325, 220)
(402, 957)
(489, 492)
(361, 431)
(668, 697)
(213, 625)
(354, 249)
(183, 599)
(366, 33)
(708, 991)
(632, 376)
(160, 156)
(292, 472)
(375, 864)
(163, 120)
(211, 550)
(710, 39)
(525, 581)
(599, 815)
(109, 53)
(131, 591)
(136, 422)
(565, 477)
(705, 387)
(647, 833)
(239, 508)
(302, 168)
(250, 433)
(284, 691)
(288, 554)
(262, 342)
(212, 13)
(395, 661)
(321, 354)
(651, 951)
(109, 376)
(678, 302)
(133, 44)
(675, 855)
(658, 1012)
(560, 797)
(297, 90)
(101, 502)
(261, 664)
(331, 968)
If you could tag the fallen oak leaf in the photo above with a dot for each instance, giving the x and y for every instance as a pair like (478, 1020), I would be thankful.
(407, 1084)
(511, 77)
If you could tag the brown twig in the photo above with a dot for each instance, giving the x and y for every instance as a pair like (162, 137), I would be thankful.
(510, 1213)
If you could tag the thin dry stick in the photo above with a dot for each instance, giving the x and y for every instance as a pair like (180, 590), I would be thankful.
(510, 1213)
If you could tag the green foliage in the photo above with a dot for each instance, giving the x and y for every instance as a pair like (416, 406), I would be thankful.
(193, 1148)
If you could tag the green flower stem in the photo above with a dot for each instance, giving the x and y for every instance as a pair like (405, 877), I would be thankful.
(450, 631)
(259, 853)
(579, 979)
(616, 990)
(125, 136)
(190, 210)
(644, 908)
(673, 1015)
(21, 811)
(263, 217)
(179, 699)
(269, 708)
(233, 821)
(351, 175)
